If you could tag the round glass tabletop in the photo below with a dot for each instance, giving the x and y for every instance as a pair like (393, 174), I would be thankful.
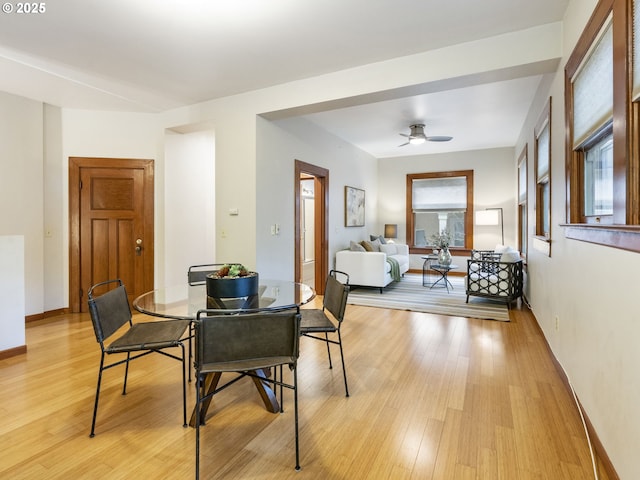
(184, 301)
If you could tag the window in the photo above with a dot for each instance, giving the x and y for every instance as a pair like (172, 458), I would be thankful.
(602, 103)
(592, 107)
(522, 202)
(542, 134)
(598, 177)
(440, 201)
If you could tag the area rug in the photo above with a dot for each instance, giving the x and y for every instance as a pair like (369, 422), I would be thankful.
(409, 294)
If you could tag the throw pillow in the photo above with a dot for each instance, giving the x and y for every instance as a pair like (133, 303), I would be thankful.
(376, 245)
(367, 245)
(377, 237)
(356, 247)
(500, 248)
(510, 255)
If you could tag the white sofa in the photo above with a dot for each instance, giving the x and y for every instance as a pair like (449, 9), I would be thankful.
(371, 269)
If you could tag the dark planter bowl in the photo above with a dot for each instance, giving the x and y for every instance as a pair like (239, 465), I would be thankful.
(232, 287)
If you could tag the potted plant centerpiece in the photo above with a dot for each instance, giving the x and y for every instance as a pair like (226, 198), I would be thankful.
(442, 241)
(232, 281)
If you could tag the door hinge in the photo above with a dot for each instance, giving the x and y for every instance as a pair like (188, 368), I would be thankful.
(81, 293)
(80, 184)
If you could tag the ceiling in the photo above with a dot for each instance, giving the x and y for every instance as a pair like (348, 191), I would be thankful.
(154, 55)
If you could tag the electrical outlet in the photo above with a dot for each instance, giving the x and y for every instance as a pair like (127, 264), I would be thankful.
(557, 323)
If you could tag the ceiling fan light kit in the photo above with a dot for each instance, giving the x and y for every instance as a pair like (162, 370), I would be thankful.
(417, 136)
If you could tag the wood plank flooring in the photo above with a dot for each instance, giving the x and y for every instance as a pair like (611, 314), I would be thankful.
(432, 397)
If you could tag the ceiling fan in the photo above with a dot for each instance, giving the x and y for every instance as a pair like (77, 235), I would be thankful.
(417, 136)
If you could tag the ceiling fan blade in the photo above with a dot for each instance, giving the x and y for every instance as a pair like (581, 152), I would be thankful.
(402, 145)
(441, 138)
(405, 135)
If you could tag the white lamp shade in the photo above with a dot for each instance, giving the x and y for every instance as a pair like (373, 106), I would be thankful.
(488, 217)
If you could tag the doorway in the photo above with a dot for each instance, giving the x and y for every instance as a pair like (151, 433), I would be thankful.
(111, 226)
(311, 225)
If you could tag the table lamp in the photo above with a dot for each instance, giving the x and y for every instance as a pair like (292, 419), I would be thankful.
(390, 230)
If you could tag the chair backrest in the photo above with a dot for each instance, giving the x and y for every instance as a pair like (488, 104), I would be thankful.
(109, 311)
(336, 294)
(197, 274)
(233, 338)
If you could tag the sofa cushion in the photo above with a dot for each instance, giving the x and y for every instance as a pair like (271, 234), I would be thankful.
(389, 248)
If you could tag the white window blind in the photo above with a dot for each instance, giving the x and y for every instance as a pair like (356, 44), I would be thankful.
(522, 182)
(593, 89)
(543, 153)
(439, 194)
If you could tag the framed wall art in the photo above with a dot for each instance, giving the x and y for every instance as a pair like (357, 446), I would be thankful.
(353, 207)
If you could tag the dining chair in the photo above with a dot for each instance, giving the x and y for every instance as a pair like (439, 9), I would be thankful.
(316, 322)
(245, 344)
(109, 313)
(197, 274)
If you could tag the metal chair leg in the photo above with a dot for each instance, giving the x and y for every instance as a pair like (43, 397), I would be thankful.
(184, 390)
(344, 370)
(326, 336)
(126, 374)
(295, 407)
(95, 405)
(198, 387)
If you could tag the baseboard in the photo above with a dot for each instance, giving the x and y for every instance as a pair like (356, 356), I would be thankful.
(13, 352)
(597, 445)
(47, 314)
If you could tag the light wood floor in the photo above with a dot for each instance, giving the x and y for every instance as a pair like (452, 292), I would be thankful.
(432, 397)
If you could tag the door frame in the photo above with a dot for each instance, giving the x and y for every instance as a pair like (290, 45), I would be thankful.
(75, 165)
(321, 239)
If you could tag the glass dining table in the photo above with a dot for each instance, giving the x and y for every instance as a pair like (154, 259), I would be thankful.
(184, 301)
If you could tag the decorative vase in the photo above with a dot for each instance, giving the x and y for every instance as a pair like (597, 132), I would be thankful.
(444, 257)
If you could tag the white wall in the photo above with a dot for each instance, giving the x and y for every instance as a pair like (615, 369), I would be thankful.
(56, 250)
(279, 145)
(87, 133)
(12, 332)
(189, 197)
(591, 289)
(494, 185)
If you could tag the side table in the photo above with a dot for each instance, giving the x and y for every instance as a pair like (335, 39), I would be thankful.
(443, 270)
(426, 266)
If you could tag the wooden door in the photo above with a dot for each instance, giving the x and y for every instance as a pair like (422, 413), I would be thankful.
(111, 214)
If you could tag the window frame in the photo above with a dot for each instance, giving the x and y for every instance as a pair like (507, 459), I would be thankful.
(523, 200)
(622, 229)
(468, 217)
